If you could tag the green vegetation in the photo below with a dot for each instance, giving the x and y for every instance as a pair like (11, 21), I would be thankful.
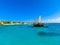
(8, 23)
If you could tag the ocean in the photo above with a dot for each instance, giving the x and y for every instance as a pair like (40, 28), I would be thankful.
(29, 35)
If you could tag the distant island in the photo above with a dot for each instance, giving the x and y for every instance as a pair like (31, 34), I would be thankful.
(14, 23)
(18, 23)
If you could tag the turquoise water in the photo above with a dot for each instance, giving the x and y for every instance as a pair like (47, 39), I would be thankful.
(28, 35)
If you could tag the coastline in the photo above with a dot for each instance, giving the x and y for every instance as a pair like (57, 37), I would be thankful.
(15, 23)
(20, 23)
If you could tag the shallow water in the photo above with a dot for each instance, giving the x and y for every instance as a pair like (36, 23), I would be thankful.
(29, 35)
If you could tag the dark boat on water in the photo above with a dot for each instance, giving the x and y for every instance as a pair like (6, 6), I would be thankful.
(39, 24)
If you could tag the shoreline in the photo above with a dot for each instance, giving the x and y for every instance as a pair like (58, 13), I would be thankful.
(24, 24)
(20, 23)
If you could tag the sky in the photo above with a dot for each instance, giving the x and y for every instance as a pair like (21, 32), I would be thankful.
(29, 10)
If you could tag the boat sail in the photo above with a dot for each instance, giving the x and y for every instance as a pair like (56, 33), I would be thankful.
(39, 19)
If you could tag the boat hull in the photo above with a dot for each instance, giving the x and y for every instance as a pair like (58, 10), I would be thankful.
(39, 25)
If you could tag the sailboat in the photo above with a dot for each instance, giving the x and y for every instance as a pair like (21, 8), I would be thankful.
(39, 23)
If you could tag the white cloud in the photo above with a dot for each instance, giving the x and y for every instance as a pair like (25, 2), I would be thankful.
(54, 20)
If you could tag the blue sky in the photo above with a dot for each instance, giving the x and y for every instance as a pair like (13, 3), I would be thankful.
(28, 10)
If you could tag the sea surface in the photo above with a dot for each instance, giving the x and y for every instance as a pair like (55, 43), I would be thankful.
(29, 35)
